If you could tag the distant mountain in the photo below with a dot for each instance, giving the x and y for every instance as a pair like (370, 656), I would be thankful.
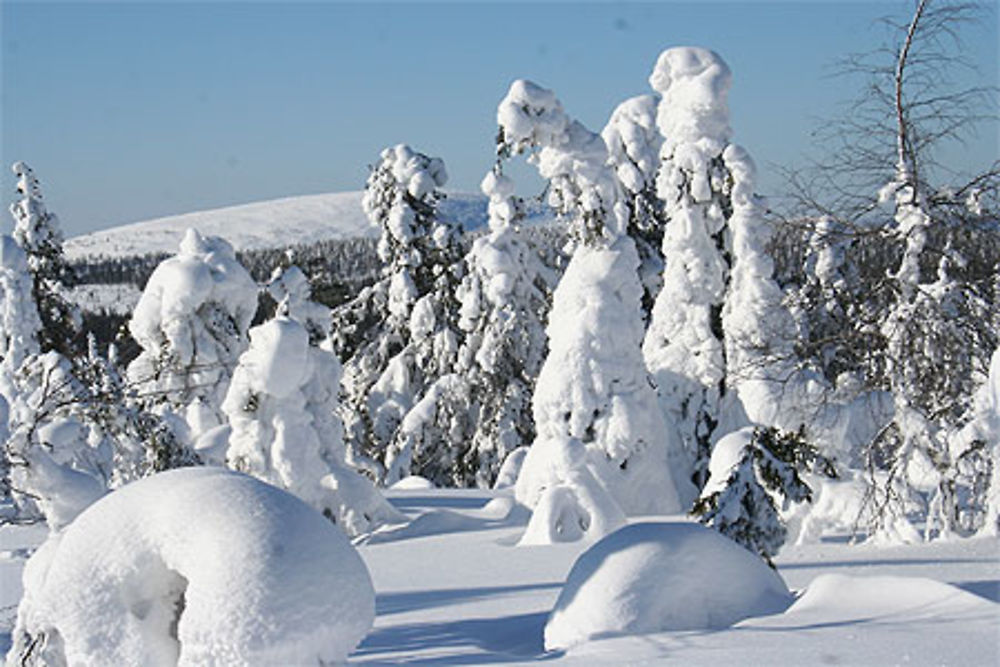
(262, 225)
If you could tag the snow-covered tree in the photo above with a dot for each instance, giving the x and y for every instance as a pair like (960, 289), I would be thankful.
(19, 320)
(483, 408)
(58, 464)
(684, 346)
(751, 471)
(593, 386)
(191, 324)
(37, 231)
(280, 407)
(634, 142)
(719, 316)
(290, 284)
(936, 319)
(400, 334)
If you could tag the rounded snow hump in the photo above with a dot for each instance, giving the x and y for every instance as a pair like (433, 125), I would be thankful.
(652, 577)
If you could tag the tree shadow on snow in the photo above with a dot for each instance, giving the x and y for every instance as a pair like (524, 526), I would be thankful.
(864, 562)
(987, 588)
(398, 603)
(491, 640)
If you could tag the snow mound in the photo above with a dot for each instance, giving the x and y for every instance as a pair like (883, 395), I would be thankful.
(195, 566)
(651, 577)
(840, 597)
(413, 483)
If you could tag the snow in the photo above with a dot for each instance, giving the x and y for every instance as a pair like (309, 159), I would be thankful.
(278, 584)
(650, 577)
(261, 225)
(593, 387)
(454, 589)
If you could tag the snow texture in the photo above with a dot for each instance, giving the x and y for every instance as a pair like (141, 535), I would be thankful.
(651, 577)
(195, 566)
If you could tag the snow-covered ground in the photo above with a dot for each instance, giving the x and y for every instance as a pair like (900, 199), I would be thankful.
(261, 225)
(452, 588)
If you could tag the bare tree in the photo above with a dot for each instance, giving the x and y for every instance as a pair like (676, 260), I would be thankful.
(926, 312)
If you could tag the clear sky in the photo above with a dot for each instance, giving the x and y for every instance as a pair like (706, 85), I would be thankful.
(129, 111)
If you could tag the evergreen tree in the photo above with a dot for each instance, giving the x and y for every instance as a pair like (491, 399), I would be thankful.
(593, 386)
(399, 335)
(750, 470)
(191, 324)
(483, 408)
(718, 334)
(37, 231)
(280, 406)
(684, 347)
(634, 143)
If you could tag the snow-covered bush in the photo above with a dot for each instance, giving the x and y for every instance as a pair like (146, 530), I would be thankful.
(749, 470)
(593, 386)
(193, 567)
(57, 462)
(283, 430)
(191, 324)
(651, 577)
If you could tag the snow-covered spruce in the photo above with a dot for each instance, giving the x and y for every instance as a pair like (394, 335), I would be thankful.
(593, 386)
(751, 471)
(634, 142)
(38, 233)
(718, 314)
(290, 285)
(282, 428)
(191, 324)
(399, 335)
(19, 321)
(176, 569)
(652, 577)
(483, 409)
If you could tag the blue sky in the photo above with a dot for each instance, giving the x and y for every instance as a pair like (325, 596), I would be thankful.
(129, 111)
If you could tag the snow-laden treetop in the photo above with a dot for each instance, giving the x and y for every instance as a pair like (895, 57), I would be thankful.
(572, 158)
(633, 141)
(35, 229)
(694, 84)
(204, 270)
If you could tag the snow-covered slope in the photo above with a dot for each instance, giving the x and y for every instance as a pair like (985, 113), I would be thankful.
(267, 224)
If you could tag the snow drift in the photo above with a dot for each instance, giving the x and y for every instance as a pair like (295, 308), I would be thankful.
(195, 566)
(651, 577)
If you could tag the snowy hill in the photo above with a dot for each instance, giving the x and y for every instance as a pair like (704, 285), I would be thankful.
(261, 225)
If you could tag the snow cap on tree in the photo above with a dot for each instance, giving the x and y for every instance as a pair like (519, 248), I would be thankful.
(572, 158)
(694, 83)
(633, 142)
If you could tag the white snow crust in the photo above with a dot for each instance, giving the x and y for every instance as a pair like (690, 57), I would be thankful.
(650, 577)
(198, 566)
